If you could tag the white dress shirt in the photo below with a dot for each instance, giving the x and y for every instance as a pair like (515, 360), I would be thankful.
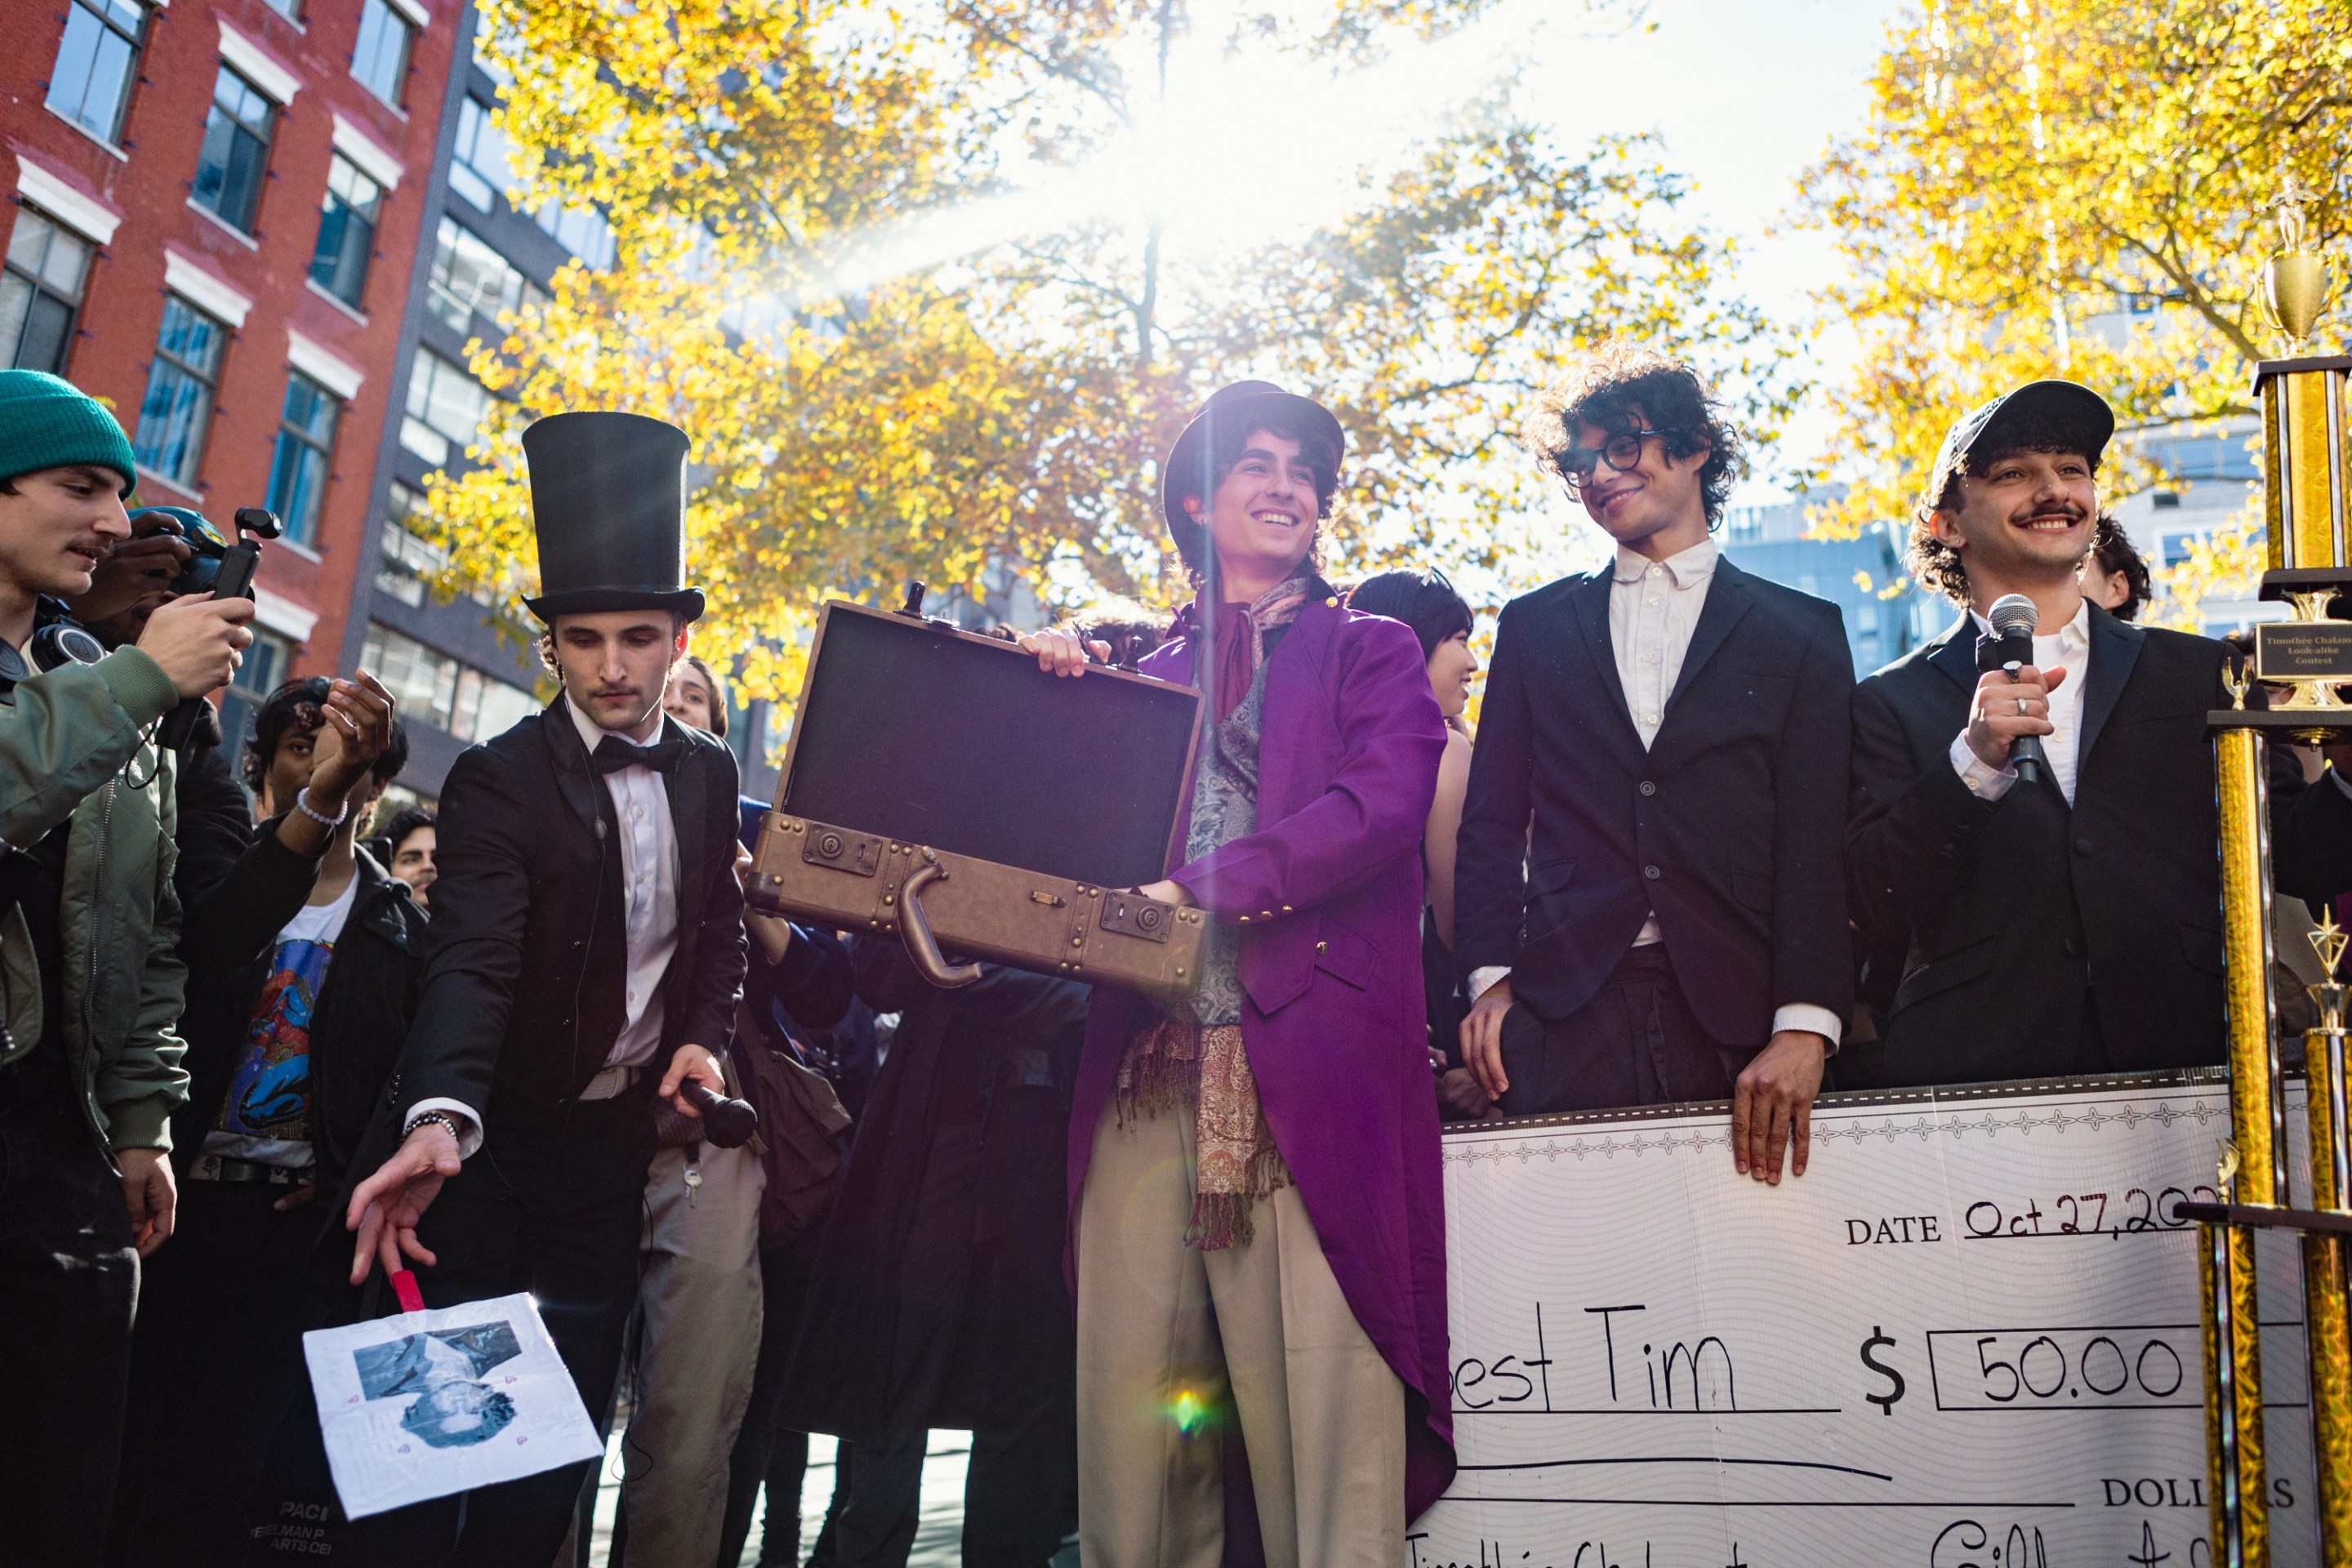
(1653, 609)
(648, 845)
(2069, 650)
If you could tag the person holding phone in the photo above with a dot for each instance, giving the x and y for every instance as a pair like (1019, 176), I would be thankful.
(89, 1060)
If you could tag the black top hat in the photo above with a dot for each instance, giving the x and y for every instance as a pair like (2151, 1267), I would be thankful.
(2066, 408)
(1242, 407)
(608, 500)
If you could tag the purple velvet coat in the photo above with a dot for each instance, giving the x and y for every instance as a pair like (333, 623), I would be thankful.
(1330, 884)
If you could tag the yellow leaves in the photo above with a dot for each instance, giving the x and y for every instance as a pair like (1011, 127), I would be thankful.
(1978, 259)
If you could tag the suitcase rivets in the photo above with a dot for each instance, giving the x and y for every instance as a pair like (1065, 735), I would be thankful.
(1244, 918)
(1077, 941)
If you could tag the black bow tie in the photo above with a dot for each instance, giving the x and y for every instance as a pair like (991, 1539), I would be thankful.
(613, 753)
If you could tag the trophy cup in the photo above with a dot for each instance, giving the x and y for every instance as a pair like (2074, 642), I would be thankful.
(2305, 495)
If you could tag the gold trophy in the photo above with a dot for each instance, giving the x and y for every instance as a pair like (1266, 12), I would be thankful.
(2305, 496)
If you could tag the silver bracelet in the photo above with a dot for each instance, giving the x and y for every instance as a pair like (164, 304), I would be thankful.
(302, 805)
(447, 1123)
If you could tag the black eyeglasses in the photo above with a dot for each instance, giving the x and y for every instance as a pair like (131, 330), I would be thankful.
(1576, 464)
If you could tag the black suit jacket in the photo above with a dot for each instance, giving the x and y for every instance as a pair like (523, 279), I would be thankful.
(526, 958)
(1992, 926)
(1731, 825)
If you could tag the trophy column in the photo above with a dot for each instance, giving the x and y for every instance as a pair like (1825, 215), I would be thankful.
(2324, 1255)
(2304, 473)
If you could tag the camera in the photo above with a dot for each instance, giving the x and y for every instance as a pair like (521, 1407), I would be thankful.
(208, 548)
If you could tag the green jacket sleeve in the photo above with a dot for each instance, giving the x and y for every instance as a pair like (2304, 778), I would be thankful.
(69, 731)
(139, 1086)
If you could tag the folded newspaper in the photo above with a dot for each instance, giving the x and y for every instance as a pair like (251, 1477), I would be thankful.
(426, 1404)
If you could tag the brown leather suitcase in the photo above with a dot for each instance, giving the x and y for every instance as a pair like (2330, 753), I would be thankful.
(940, 786)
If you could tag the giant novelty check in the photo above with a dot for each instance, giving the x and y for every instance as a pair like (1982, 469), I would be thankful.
(1968, 1337)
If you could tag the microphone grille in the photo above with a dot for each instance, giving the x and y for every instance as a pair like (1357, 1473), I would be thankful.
(2013, 615)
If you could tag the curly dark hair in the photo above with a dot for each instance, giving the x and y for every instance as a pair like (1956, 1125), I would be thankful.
(1935, 565)
(1623, 388)
(2118, 557)
(301, 704)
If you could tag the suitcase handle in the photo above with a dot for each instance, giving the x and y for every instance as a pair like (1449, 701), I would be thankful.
(915, 929)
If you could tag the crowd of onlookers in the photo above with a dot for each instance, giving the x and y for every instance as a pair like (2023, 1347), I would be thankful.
(213, 963)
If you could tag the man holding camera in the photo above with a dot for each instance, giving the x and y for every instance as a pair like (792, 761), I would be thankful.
(89, 1065)
(585, 958)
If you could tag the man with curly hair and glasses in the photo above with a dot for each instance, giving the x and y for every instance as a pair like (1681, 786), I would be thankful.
(1650, 897)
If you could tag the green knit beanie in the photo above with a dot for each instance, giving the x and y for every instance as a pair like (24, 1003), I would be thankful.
(45, 423)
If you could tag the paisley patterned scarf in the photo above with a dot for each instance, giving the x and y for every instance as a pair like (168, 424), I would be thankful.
(1194, 1058)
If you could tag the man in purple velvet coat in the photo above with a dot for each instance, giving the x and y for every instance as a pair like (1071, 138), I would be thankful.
(1259, 1223)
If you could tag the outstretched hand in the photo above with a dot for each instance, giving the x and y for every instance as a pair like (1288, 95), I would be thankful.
(388, 1207)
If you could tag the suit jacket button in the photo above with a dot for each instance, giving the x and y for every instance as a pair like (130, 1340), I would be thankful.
(2082, 847)
(2073, 947)
(1649, 788)
(1322, 947)
(1651, 872)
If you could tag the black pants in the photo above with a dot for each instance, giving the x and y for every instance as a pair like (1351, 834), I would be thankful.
(216, 1364)
(552, 1205)
(1635, 1043)
(69, 1282)
(1017, 1495)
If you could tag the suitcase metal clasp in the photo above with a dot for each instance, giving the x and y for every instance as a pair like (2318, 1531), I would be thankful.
(837, 847)
(1131, 915)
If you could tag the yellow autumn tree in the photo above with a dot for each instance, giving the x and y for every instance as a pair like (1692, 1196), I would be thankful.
(865, 410)
(2030, 172)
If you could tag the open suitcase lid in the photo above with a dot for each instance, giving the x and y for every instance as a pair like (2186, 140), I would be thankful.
(925, 733)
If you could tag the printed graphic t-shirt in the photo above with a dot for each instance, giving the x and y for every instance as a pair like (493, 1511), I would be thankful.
(266, 1118)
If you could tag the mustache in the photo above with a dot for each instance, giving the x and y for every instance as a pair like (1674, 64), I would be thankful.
(2067, 509)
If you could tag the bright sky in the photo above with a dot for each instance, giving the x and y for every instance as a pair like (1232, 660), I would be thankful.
(1746, 95)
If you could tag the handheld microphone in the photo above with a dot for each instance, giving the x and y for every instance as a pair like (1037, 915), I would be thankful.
(726, 1123)
(2014, 620)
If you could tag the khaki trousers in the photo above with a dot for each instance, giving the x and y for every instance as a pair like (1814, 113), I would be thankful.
(697, 1347)
(1170, 1338)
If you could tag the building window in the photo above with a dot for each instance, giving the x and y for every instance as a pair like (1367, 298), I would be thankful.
(429, 684)
(380, 59)
(468, 279)
(258, 675)
(174, 416)
(405, 559)
(584, 231)
(306, 440)
(40, 292)
(97, 61)
(444, 408)
(290, 9)
(235, 153)
(339, 262)
(478, 165)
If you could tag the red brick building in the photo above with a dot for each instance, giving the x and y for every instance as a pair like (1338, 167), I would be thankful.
(214, 214)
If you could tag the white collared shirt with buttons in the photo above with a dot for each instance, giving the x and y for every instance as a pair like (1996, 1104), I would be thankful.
(648, 847)
(2069, 650)
(1653, 609)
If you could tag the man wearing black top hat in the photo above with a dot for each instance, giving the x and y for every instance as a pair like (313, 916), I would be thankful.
(585, 955)
(2020, 923)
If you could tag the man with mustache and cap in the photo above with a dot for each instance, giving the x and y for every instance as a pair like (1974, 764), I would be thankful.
(585, 955)
(2015, 927)
(1258, 1228)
